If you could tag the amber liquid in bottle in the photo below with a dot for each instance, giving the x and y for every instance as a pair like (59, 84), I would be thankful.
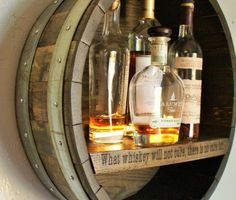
(156, 96)
(108, 81)
(159, 135)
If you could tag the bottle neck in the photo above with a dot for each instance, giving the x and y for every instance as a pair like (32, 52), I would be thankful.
(186, 25)
(112, 22)
(185, 31)
(148, 9)
(159, 50)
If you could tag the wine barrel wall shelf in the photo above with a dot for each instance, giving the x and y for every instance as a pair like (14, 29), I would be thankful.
(52, 103)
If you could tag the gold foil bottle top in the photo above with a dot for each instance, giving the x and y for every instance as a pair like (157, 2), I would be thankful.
(115, 5)
(148, 9)
(187, 3)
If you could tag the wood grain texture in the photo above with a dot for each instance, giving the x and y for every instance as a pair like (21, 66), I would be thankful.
(72, 103)
(55, 96)
(41, 124)
(136, 158)
(122, 185)
(55, 23)
(73, 99)
(23, 111)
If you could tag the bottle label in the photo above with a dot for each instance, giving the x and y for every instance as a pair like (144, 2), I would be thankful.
(165, 122)
(148, 93)
(192, 105)
(142, 61)
(188, 63)
(157, 122)
(148, 99)
(159, 53)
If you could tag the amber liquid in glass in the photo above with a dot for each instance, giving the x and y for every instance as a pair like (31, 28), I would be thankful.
(107, 129)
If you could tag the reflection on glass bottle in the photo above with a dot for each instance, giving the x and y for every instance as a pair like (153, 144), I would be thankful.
(156, 96)
(186, 59)
(108, 65)
(139, 45)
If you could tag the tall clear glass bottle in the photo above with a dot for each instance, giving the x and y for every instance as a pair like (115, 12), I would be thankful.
(156, 96)
(186, 59)
(140, 46)
(109, 70)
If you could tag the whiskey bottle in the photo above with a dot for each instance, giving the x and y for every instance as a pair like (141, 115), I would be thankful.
(156, 96)
(139, 46)
(186, 59)
(108, 83)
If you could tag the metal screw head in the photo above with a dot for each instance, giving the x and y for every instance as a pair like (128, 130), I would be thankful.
(25, 64)
(68, 27)
(51, 189)
(36, 166)
(26, 134)
(55, 104)
(36, 31)
(59, 60)
(22, 100)
(55, 2)
(72, 178)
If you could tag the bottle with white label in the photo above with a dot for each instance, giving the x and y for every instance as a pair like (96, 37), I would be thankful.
(156, 96)
(108, 81)
(186, 59)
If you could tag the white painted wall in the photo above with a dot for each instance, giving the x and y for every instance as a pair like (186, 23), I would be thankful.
(17, 180)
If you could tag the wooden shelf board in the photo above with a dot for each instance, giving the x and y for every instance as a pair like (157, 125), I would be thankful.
(126, 156)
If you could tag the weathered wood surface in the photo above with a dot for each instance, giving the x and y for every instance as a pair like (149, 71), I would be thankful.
(55, 23)
(122, 185)
(48, 131)
(23, 103)
(139, 158)
(73, 98)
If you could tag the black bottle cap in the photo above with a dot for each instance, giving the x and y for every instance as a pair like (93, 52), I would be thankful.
(159, 31)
